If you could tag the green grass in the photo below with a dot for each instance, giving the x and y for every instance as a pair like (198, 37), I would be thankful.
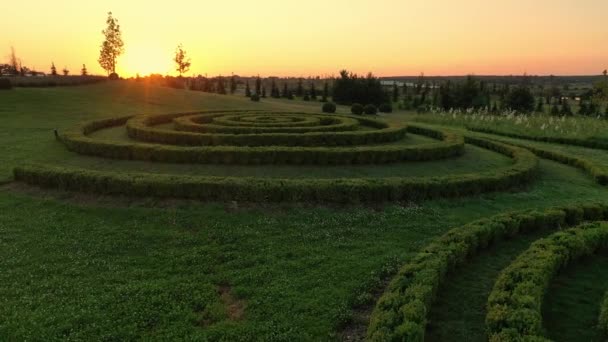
(117, 270)
(572, 307)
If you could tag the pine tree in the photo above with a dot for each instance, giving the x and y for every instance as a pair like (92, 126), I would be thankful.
(313, 91)
(232, 84)
(395, 92)
(286, 92)
(247, 89)
(84, 71)
(300, 89)
(53, 69)
(325, 92)
(258, 85)
(274, 91)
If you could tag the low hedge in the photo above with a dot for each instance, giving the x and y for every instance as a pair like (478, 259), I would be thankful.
(514, 305)
(140, 128)
(591, 143)
(201, 124)
(603, 320)
(268, 189)
(259, 120)
(401, 313)
(76, 140)
(599, 173)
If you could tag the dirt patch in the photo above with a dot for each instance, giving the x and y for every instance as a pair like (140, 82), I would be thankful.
(235, 307)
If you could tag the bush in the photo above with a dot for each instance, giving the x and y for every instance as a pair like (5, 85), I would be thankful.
(401, 312)
(514, 305)
(356, 109)
(386, 108)
(255, 98)
(370, 109)
(113, 77)
(5, 84)
(329, 107)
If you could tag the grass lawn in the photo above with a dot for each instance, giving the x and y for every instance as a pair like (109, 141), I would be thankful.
(86, 270)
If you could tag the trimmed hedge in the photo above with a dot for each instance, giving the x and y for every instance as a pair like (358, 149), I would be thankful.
(140, 128)
(203, 124)
(603, 320)
(401, 313)
(76, 140)
(589, 142)
(329, 107)
(268, 189)
(599, 173)
(514, 305)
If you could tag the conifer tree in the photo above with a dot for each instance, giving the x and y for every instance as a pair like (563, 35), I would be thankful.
(325, 92)
(286, 92)
(221, 88)
(247, 89)
(232, 84)
(566, 110)
(53, 69)
(300, 88)
(84, 71)
(313, 91)
(258, 85)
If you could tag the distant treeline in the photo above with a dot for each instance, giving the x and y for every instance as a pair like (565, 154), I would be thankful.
(513, 80)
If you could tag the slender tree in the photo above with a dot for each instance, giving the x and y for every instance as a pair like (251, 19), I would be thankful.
(313, 91)
(84, 71)
(53, 69)
(112, 47)
(14, 62)
(65, 71)
(181, 60)
(247, 89)
(232, 84)
(258, 86)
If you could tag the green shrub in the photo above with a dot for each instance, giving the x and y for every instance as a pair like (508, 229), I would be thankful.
(329, 107)
(385, 108)
(401, 313)
(514, 305)
(255, 98)
(370, 109)
(356, 109)
(5, 84)
(341, 190)
(113, 77)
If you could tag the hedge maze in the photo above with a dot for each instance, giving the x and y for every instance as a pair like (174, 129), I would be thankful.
(275, 138)
(330, 142)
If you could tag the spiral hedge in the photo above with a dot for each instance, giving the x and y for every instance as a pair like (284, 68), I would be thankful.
(401, 314)
(281, 150)
(514, 306)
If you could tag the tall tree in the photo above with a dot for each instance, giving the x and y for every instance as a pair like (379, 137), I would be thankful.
(112, 47)
(14, 62)
(232, 84)
(258, 86)
(53, 69)
(181, 60)
(85, 72)
(325, 92)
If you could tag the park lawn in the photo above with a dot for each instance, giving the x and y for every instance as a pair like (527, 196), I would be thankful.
(87, 270)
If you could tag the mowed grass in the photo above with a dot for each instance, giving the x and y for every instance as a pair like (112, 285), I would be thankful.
(91, 271)
(571, 310)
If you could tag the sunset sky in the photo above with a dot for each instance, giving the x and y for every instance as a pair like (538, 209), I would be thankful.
(318, 37)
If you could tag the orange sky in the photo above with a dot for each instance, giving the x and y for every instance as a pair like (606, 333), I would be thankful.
(319, 37)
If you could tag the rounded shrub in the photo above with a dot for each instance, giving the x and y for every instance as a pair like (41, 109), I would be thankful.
(370, 109)
(329, 107)
(356, 109)
(255, 98)
(385, 108)
(5, 84)
(113, 76)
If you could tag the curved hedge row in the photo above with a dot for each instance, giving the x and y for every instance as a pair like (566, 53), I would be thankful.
(268, 120)
(76, 140)
(401, 312)
(204, 123)
(268, 189)
(591, 143)
(141, 128)
(599, 173)
(514, 306)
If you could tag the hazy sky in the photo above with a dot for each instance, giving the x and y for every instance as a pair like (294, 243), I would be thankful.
(318, 37)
